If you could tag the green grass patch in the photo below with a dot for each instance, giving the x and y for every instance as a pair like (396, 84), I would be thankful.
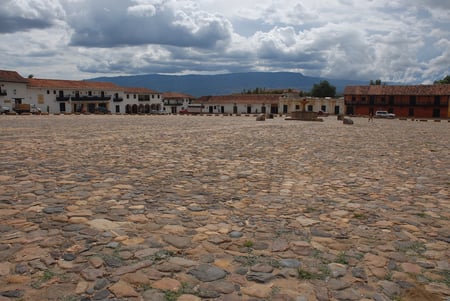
(323, 273)
(248, 244)
(68, 298)
(247, 260)
(413, 247)
(46, 276)
(305, 275)
(174, 295)
(446, 276)
(341, 258)
(358, 215)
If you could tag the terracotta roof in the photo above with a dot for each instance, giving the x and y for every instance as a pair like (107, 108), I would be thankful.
(398, 90)
(240, 99)
(71, 84)
(133, 90)
(11, 76)
(174, 95)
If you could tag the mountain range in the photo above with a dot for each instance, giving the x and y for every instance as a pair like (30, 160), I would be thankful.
(223, 84)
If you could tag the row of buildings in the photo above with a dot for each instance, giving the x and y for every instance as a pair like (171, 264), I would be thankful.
(69, 96)
(419, 101)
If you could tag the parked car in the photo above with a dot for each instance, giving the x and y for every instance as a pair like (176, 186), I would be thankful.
(322, 114)
(185, 111)
(384, 114)
(4, 110)
(159, 112)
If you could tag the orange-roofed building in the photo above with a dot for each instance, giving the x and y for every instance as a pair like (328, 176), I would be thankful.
(415, 101)
(285, 104)
(142, 101)
(13, 88)
(71, 96)
(240, 103)
(175, 102)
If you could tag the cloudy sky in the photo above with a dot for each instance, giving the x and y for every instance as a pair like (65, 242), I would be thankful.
(393, 40)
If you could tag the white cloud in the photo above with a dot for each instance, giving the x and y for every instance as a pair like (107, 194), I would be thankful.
(142, 10)
(394, 40)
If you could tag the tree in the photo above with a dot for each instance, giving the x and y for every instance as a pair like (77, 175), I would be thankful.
(445, 80)
(324, 89)
(376, 82)
(30, 76)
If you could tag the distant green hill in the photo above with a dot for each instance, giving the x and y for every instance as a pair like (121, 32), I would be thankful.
(222, 84)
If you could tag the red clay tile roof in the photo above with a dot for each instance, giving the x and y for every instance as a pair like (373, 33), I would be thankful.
(398, 90)
(240, 99)
(133, 90)
(11, 76)
(71, 84)
(176, 95)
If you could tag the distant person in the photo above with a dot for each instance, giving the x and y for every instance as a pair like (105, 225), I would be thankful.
(370, 117)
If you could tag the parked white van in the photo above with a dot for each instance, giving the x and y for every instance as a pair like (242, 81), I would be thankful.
(384, 114)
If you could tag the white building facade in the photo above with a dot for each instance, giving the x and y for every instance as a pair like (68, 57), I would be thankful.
(13, 89)
(65, 96)
(175, 102)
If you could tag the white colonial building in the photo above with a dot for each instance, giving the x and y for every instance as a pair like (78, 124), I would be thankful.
(175, 102)
(290, 103)
(69, 96)
(72, 96)
(240, 104)
(13, 88)
(139, 101)
(285, 104)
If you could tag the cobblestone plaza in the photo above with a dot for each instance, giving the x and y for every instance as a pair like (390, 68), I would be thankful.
(121, 207)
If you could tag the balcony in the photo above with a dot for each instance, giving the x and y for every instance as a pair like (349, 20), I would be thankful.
(63, 98)
(3, 93)
(91, 98)
(173, 103)
(117, 99)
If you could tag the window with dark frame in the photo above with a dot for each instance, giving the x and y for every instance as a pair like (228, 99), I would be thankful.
(437, 100)
(391, 99)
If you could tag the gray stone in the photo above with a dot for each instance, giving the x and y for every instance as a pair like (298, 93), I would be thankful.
(100, 284)
(348, 294)
(318, 232)
(337, 269)
(113, 261)
(69, 257)
(262, 268)
(260, 277)
(235, 234)
(101, 295)
(53, 210)
(359, 272)
(21, 268)
(261, 117)
(206, 273)
(290, 263)
(180, 242)
(390, 288)
(17, 293)
(153, 295)
(347, 120)
(338, 284)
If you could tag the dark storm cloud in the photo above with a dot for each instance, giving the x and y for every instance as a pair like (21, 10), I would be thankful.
(11, 24)
(17, 16)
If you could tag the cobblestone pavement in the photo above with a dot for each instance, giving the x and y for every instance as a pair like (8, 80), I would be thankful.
(223, 208)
